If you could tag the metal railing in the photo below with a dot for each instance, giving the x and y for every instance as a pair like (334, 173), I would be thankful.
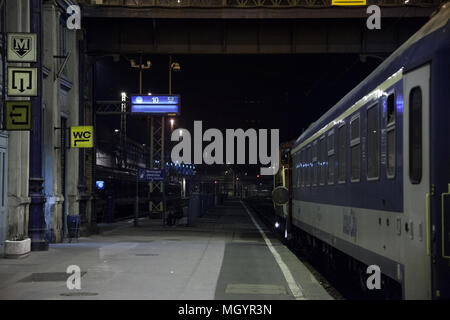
(251, 3)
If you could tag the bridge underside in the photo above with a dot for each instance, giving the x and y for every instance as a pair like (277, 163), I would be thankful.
(256, 9)
(245, 36)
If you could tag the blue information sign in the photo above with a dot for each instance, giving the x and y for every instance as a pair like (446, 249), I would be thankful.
(100, 184)
(150, 175)
(158, 104)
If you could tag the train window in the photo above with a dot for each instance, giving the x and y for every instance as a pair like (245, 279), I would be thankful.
(390, 109)
(305, 169)
(300, 167)
(322, 159)
(308, 166)
(415, 135)
(373, 142)
(342, 144)
(295, 173)
(355, 149)
(330, 145)
(314, 163)
(390, 141)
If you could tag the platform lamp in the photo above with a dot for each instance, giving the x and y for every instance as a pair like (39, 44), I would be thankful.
(141, 67)
(173, 66)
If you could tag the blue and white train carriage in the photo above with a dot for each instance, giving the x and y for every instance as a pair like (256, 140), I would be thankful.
(371, 177)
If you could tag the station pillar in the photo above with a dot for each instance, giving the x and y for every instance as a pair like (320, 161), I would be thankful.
(36, 225)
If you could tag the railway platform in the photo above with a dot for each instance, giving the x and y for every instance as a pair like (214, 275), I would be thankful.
(228, 255)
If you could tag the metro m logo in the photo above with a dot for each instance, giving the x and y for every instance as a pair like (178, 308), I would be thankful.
(21, 46)
(81, 137)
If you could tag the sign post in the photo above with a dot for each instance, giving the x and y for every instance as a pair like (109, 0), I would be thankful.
(157, 106)
(145, 175)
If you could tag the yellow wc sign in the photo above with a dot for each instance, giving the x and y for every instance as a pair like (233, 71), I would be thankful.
(81, 137)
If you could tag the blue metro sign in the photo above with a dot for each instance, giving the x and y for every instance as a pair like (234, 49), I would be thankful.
(159, 104)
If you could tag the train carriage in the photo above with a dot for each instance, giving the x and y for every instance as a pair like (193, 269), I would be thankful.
(371, 177)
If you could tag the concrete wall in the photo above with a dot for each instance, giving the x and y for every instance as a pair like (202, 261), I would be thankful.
(60, 100)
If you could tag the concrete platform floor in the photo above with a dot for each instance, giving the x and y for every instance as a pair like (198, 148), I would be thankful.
(227, 254)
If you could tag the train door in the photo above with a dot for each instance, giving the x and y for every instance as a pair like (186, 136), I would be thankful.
(416, 171)
(440, 177)
(3, 189)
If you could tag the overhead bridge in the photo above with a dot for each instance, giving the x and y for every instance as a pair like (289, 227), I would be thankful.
(247, 26)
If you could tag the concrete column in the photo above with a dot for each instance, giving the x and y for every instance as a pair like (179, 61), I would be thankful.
(51, 119)
(83, 196)
(61, 96)
(36, 226)
(18, 141)
(86, 157)
(76, 198)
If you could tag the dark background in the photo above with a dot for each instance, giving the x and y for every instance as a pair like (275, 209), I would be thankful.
(285, 92)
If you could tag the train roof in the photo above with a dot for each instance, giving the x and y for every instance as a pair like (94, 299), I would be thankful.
(400, 59)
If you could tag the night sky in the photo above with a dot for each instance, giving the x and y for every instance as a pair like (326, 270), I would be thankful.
(285, 92)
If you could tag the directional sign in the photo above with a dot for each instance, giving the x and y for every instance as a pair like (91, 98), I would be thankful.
(21, 47)
(158, 105)
(22, 82)
(100, 184)
(81, 137)
(150, 175)
(18, 115)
